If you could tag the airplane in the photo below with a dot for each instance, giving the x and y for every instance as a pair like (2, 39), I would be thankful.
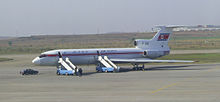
(145, 51)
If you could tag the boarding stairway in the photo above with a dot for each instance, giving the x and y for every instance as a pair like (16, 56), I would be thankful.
(67, 64)
(108, 63)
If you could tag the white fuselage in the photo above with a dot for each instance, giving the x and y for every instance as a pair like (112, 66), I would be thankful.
(89, 56)
(153, 48)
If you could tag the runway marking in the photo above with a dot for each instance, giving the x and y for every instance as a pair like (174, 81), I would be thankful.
(164, 87)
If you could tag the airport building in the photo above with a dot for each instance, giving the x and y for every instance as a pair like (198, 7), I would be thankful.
(199, 28)
(194, 28)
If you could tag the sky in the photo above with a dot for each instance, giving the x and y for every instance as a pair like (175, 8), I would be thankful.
(51, 17)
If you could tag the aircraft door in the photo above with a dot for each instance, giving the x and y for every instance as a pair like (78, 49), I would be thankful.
(98, 53)
(96, 56)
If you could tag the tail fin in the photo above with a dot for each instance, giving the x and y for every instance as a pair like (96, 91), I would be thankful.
(159, 41)
(163, 34)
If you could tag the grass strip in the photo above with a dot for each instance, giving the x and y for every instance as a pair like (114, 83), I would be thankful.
(200, 57)
(5, 59)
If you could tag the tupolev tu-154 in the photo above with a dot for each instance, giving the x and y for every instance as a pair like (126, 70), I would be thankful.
(145, 51)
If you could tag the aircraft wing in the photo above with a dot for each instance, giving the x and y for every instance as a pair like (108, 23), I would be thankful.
(146, 60)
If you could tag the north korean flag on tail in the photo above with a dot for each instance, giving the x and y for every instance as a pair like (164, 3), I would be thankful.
(163, 37)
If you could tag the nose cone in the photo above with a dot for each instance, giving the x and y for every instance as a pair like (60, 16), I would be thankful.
(36, 61)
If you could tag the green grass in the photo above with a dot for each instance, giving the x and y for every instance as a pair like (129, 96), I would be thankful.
(5, 59)
(201, 57)
(194, 38)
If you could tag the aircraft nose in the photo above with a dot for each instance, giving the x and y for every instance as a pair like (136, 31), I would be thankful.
(36, 61)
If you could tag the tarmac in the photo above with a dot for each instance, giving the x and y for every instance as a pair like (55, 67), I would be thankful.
(158, 83)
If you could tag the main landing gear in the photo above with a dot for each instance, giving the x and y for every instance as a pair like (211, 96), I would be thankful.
(136, 67)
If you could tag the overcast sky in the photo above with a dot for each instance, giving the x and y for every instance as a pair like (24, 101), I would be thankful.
(34, 17)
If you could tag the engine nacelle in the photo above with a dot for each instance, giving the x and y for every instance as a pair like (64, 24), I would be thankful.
(141, 43)
(155, 54)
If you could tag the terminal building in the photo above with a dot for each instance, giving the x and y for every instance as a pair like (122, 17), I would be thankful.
(194, 28)
(199, 28)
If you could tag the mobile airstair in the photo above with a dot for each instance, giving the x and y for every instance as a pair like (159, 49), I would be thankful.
(106, 65)
(67, 67)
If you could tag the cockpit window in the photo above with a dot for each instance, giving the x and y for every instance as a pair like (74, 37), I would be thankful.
(43, 55)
